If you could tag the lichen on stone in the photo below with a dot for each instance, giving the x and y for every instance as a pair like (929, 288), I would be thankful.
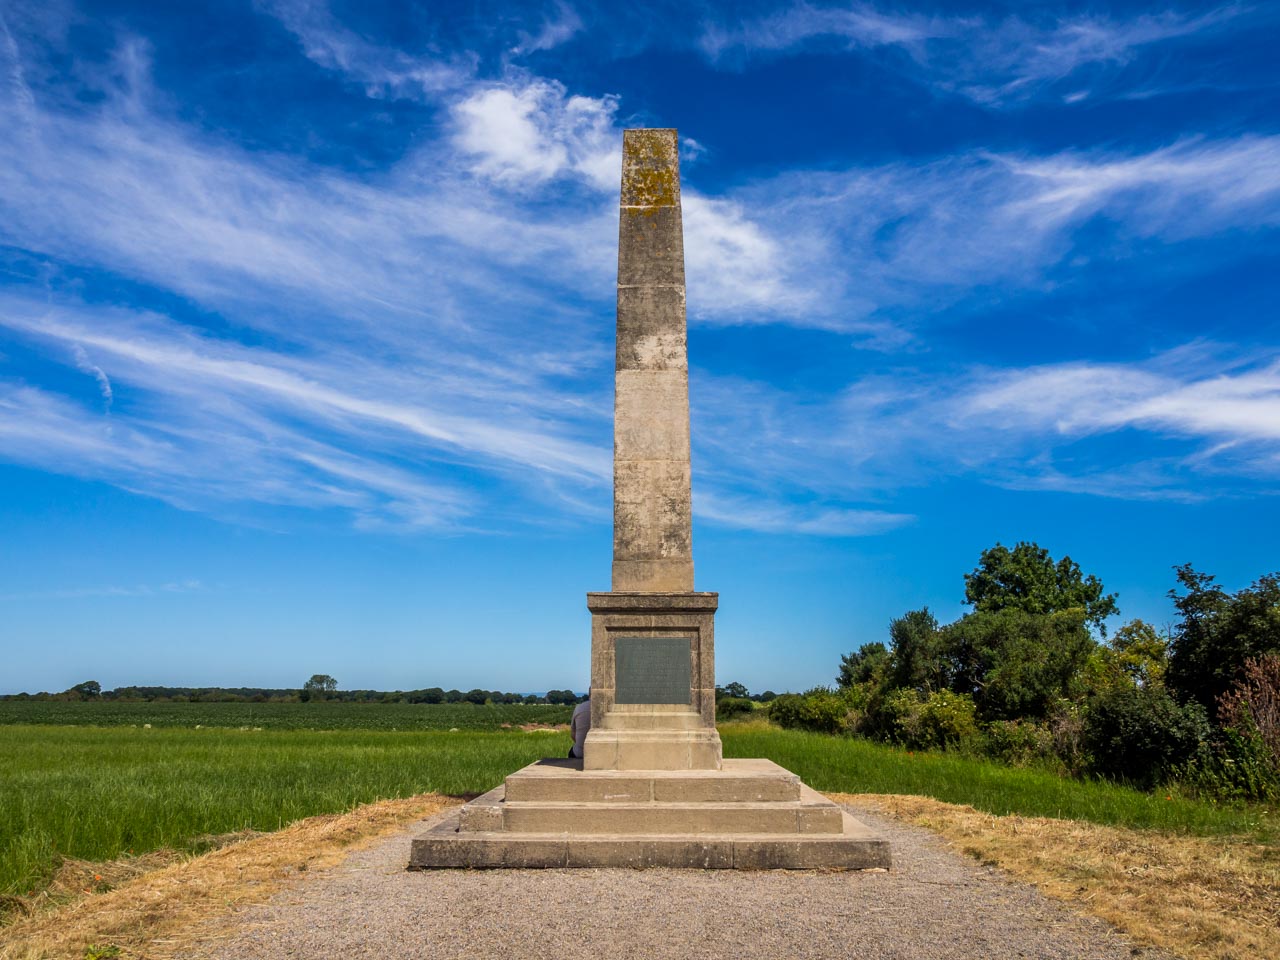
(651, 171)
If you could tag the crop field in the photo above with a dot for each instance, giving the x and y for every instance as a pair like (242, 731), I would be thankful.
(97, 792)
(284, 716)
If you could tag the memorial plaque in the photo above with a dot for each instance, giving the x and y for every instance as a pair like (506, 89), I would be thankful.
(652, 670)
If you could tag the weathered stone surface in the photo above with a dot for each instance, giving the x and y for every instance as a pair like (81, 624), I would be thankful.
(653, 512)
(616, 616)
(640, 434)
(484, 812)
(651, 328)
(650, 168)
(651, 248)
(739, 781)
(752, 814)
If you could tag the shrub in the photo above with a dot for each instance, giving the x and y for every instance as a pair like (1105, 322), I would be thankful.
(729, 707)
(1019, 742)
(941, 719)
(1066, 727)
(1252, 706)
(1140, 734)
(818, 709)
(1239, 768)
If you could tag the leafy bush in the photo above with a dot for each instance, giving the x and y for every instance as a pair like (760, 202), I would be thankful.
(1240, 767)
(819, 709)
(1018, 664)
(1140, 734)
(1019, 742)
(729, 707)
(941, 719)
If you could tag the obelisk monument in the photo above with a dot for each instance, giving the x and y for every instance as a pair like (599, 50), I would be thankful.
(652, 503)
(652, 789)
(652, 642)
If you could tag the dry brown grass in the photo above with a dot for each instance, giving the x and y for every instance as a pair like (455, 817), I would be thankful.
(1216, 898)
(155, 906)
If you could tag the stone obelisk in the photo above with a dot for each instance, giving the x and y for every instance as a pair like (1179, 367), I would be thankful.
(652, 790)
(652, 641)
(652, 503)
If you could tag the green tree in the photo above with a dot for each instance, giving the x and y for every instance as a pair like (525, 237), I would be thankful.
(1219, 632)
(88, 690)
(1016, 664)
(1137, 656)
(1027, 578)
(869, 663)
(918, 653)
(735, 690)
(320, 687)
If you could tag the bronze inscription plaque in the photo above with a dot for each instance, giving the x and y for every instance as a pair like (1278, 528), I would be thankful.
(652, 670)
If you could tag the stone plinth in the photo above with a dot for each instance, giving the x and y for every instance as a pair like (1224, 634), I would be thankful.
(653, 698)
(750, 814)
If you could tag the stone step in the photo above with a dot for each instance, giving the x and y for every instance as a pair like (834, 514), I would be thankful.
(739, 781)
(853, 847)
(684, 719)
(670, 818)
(693, 749)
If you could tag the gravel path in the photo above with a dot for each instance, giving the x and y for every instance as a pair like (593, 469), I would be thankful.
(933, 904)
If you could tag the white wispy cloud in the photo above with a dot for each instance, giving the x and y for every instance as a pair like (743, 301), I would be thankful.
(137, 590)
(1235, 406)
(529, 130)
(84, 364)
(382, 71)
(885, 241)
(805, 519)
(553, 32)
(429, 346)
(1017, 61)
(858, 25)
(1199, 420)
(997, 63)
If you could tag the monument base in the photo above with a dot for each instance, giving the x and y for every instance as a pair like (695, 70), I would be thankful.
(750, 814)
(652, 737)
(653, 698)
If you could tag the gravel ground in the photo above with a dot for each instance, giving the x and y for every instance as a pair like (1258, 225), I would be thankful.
(933, 904)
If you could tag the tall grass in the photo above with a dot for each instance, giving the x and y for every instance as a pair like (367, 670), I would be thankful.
(99, 793)
(852, 765)
(96, 793)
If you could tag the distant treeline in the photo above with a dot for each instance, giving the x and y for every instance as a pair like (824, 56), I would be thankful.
(323, 687)
(312, 691)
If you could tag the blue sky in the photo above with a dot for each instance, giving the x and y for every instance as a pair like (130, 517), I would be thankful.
(306, 320)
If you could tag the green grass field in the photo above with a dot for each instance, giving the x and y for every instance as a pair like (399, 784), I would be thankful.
(851, 765)
(95, 793)
(283, 716)
(99, 792)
